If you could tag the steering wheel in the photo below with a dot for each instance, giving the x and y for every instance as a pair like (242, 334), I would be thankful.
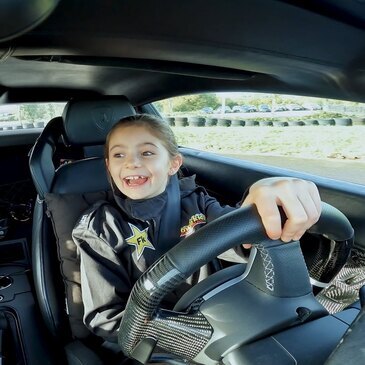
(271, 294)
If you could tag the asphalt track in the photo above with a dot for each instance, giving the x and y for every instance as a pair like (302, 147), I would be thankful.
(346, 170)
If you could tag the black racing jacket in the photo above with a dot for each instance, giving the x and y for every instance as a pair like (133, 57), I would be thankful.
(117, 241)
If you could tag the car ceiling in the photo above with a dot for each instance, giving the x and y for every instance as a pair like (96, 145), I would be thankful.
(149, 50)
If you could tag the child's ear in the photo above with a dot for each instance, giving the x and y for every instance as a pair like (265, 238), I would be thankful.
(107, 164)
(175, 164)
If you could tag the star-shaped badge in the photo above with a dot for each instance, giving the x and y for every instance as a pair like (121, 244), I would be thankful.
(139, 239)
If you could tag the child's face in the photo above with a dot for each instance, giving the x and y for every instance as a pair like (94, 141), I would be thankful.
(139, 163)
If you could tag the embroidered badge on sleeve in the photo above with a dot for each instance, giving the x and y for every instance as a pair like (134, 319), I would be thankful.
(139, 239)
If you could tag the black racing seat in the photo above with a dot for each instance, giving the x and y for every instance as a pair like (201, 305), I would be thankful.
(84, 124)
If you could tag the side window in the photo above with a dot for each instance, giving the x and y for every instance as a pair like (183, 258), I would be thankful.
(25, 116)
(318, 136)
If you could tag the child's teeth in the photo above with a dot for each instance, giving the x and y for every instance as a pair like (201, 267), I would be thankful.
(134, 177)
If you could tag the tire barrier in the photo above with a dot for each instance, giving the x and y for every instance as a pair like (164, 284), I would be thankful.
(181, 121)
(280, 124)
(211, 122)
(358, 121)
(326, 121)
(238, 123)
(311, 122)
(251, 123)
(170, 121)
(343, 121)
(224, 122)
(38, 124)
(296, 123)
(195, 121)
(265, 123)
(198, 121)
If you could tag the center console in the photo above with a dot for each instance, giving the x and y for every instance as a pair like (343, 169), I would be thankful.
(23, 338)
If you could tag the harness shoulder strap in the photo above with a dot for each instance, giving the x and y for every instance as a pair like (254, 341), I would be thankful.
(169, 234)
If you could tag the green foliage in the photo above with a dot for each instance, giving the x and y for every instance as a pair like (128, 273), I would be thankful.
(51, 109)
(230, 102)
(159, 105)
(32, 112)
(326, 115)
(187, 103)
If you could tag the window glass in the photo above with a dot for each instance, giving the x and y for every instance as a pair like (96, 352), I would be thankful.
(319, 136)
(25, 116)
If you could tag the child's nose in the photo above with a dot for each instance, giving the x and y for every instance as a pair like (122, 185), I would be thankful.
(132, 161)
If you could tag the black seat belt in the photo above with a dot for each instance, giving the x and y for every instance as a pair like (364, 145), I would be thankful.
(170, 224)
(169, 232)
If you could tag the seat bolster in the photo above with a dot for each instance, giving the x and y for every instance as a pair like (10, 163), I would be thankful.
(50, 299)
(70, 178)
(40, 160)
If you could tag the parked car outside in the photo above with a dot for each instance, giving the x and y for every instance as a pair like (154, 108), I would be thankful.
(295, 107)
(264, 108)
(236, 109)
(248, 109)
(280, 108)
(227, 109)
(207, 110)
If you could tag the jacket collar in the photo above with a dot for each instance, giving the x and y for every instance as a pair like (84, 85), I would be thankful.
(142, 209)
(146, 209)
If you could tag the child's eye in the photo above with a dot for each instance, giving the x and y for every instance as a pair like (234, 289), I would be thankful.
(147, 153)
(118, 155)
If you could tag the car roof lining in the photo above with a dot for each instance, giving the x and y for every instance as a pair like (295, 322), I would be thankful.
(147, 56)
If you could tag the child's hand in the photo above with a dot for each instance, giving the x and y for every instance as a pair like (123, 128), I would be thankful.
(299, 199)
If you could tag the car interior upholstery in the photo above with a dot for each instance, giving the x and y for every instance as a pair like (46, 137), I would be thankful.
(64, 192)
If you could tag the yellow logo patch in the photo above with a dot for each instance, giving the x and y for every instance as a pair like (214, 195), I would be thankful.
(139, 239)
(193, 221)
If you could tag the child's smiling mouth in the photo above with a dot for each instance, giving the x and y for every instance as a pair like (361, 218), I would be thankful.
(135, 180)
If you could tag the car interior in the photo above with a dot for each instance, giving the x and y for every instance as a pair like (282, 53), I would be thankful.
(108, 60)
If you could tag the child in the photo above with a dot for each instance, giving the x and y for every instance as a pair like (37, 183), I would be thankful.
(118, 241)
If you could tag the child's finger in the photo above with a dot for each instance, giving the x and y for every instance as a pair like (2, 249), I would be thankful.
(297, 220)
(270, 216)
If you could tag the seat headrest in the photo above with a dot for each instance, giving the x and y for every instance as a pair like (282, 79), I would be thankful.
(87, 122)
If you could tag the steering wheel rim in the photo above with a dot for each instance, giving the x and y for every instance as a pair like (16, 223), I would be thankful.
(144, 324)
